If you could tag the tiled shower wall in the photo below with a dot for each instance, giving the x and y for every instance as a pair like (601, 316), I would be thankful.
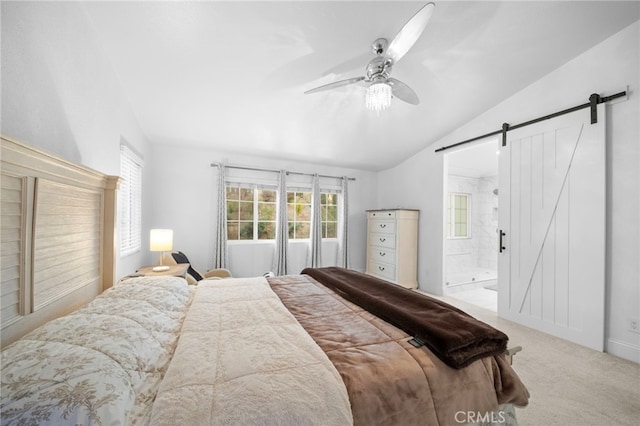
(478, 251)
(486, 222)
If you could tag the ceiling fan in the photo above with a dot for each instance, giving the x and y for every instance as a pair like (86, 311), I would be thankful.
(380, 85)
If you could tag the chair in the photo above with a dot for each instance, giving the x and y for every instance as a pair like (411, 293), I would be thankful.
(193, 276)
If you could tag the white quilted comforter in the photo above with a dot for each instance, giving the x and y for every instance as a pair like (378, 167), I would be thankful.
(228, 352)
(243, 359)
(100, 365)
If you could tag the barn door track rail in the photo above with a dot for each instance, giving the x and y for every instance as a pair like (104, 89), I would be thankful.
(594, 100)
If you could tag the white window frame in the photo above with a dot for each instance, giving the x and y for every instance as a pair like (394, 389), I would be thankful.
(451, 215)
(130, 201)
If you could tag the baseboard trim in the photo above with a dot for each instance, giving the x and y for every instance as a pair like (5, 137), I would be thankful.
(623, 350)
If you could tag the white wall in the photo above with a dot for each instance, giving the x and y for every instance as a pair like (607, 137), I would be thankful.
(184, 194)
(59, 92)
(606, 68)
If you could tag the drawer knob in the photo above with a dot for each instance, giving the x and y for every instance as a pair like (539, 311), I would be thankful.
(383, 225)
(382, 240)
(382, 253)
(381, 268)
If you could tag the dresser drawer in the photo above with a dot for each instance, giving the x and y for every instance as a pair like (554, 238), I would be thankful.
(381, 214)
(387, 272)
(383, 255)
(383, 226)
(383, 240)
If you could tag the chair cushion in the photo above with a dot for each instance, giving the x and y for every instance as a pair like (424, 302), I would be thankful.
(180, 257)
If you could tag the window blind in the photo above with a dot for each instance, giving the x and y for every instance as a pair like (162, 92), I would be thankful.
(130, 201)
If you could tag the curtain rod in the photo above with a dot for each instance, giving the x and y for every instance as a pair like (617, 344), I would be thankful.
(594, 99)
(275, 171)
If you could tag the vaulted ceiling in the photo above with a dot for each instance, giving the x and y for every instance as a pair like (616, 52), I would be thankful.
(231, 76)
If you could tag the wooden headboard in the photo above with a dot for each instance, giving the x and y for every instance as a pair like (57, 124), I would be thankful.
(58, 223)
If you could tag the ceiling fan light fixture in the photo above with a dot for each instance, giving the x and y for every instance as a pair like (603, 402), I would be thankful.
(378, 96)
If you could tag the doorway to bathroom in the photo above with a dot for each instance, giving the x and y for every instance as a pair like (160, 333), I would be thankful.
(471, 222)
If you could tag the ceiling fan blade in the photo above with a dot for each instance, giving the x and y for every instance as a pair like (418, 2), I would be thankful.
(403, 92)
(409, 34)
(334, 85)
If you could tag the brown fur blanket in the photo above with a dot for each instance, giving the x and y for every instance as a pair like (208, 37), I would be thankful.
(455, 337)
(389, 381)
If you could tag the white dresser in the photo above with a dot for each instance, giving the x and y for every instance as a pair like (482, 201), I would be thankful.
(392, 245)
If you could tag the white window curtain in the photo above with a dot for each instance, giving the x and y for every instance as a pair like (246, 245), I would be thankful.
(282, 228)
(316, 225)
(343, 223)
(220, 249)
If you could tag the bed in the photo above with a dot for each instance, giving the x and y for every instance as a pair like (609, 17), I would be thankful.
(290, 350)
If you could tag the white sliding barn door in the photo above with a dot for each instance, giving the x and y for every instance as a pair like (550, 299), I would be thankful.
(552, 212)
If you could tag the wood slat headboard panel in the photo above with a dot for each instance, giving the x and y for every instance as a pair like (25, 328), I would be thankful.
(58, 223)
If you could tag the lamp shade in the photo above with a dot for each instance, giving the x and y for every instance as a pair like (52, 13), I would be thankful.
(161, 240)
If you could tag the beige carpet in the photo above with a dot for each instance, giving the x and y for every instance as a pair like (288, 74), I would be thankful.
(569, 384)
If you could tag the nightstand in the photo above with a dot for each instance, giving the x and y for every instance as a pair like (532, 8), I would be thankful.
(179, 270)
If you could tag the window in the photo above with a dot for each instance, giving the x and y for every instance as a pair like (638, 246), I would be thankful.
(299, 214)
(130, 201)
(329, 214)
(251, 212)
(458, 216)
(252, 209)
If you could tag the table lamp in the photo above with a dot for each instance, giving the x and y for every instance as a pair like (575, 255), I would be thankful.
(161, 240)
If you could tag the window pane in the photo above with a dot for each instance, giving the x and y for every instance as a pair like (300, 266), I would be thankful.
(267, 195)
(304, 197)
(246, 210)
(233, 193)
(302, 230)
(233, 208)
(246, 230)
(266, 230)
(303, 212)
(291, 229)
(332, 230)
(246, 194)
(232, 231)
(461, 230)
(266, 211)
(332, 213)
(291, 196)
(323, 213)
